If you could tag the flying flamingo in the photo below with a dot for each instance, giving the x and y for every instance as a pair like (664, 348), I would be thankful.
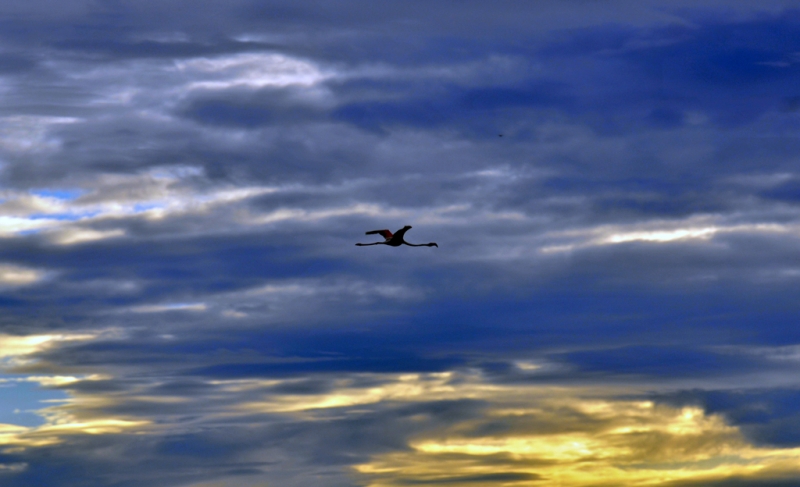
(396, 239)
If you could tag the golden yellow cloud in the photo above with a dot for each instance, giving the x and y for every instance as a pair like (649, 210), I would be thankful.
(15, 346)
(573, 440)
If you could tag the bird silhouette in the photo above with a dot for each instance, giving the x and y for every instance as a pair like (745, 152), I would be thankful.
(395, 239)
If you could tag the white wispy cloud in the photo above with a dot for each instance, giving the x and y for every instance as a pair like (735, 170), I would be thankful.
(251, 70)
(160, 308)
(12, 275)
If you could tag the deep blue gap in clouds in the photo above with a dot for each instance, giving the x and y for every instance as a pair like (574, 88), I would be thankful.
(726, 69)
(479, 110)
(788, 192)
(664, 361)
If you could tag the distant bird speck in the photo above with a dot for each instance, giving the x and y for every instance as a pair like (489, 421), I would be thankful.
(396, 239)
(499, 135)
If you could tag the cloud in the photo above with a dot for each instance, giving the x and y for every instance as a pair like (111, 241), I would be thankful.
(169, 307)
(17, 276)
(183, 183)
(428, 427)
(582, 442)
(13, 346)
(251, 71)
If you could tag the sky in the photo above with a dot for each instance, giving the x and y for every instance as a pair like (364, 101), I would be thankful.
(614, 188)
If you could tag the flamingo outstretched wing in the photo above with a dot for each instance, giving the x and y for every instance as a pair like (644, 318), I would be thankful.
(383, 233)
(400, 233)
